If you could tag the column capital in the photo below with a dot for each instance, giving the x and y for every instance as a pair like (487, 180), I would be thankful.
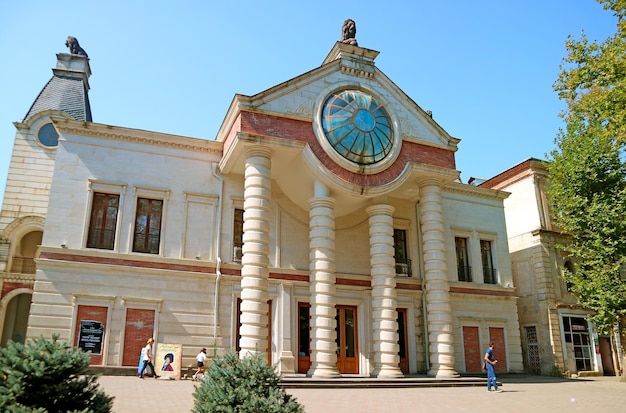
(322, 201)
(429, 181)
(258, 150)
(379, 209)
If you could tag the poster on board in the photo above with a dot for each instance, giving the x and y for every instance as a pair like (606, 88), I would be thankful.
(168, 360)
(90, 336)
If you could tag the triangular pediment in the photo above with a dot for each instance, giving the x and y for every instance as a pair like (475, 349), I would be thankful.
(294, 122)
(346, 66)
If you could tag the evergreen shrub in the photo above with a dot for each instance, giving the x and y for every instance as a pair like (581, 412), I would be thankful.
(48, 376)
(245, 385)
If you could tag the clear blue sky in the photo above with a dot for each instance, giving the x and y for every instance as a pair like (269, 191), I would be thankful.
(485, 68)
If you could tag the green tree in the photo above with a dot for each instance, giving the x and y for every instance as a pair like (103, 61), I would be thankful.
(46, 375)
(245, 385)
(587, 188)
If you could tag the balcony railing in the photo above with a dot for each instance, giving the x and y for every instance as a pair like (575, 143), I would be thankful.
(237, 254)
(403, 268)
(149, 246)
(465, 273)
(23, 265)
(490, 275)
(101, 238)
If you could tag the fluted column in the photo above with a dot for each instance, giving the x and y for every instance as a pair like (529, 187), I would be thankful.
(384, 313)
(255, 261)
(439, 312)
(322, 288)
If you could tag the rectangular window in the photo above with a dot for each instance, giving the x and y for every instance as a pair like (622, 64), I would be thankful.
(238, 235)
(489, 272)
(403, 263)
(103, 221)
(464, 269)
(147, 236)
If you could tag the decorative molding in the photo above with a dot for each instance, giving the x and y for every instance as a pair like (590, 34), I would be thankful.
(305, 109)
(482, 291)
(33, 220)
(141, 140)
(17, 278)
(352, 71)
(406, 128)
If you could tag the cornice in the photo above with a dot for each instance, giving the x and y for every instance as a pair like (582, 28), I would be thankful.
(529, 167)
(138, 136)
(496, 291)
(469, 190)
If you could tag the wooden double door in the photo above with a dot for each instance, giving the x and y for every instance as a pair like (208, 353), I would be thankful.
(347, 339)
(347, 342)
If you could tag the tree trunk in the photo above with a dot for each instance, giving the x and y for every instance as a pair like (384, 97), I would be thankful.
(619, 348)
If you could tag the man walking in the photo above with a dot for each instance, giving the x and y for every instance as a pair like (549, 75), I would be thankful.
(491, 374)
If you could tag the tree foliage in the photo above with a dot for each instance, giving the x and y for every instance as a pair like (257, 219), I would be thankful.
(46, 375)
(242, 385)
(587, 188)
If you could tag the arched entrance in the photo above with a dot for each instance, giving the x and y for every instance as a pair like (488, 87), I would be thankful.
(16, 319)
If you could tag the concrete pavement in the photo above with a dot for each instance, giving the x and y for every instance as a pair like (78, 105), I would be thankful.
(520, 394)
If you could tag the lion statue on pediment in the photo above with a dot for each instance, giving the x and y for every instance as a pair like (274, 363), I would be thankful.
(75, 48)
(348, 32)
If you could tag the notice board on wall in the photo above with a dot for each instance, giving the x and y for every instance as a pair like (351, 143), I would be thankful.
(90, 336)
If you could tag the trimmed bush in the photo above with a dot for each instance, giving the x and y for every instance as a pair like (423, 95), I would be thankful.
(47, 375)
(244, 386)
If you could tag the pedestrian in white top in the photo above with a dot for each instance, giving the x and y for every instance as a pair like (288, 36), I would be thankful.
(146, 359)
(200, 362)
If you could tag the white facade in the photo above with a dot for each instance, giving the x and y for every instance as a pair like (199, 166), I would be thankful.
(316, 282)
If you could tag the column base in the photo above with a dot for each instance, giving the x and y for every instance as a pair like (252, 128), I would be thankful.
(388, 373)
(286, 363)
(443, 373)
(322, 372)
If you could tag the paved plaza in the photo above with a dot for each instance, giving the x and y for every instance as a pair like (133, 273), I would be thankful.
(520, 394)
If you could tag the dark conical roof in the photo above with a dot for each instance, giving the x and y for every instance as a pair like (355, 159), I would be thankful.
(67, 90)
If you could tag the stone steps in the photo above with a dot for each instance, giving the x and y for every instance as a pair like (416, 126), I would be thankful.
(368, 382)
(301, 381)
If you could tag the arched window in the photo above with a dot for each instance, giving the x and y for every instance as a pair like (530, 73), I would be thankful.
(23, 259)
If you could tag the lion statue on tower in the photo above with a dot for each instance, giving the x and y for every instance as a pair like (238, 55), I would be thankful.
(75, 48)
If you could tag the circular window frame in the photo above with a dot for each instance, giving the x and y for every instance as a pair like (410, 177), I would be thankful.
(47, 125)
(329, 149)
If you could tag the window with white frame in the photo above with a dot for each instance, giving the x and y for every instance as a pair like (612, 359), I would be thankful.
(103, 221)
(490, 275)
(464, 269)
(106, 200)
(147, 233)
(149, 220)
(238, 235)
(401, 255)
